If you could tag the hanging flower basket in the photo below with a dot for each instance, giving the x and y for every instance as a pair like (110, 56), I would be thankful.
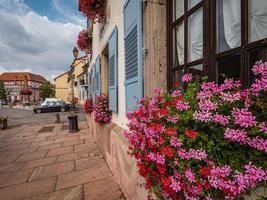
(26, 92)
(94, 10)
(84, 41)
(207, 144)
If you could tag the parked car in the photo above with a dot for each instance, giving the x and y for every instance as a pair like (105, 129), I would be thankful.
(52, 106)
(3, 102)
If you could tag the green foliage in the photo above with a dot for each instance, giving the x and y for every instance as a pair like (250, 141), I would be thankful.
(2, 90)
(46, 90)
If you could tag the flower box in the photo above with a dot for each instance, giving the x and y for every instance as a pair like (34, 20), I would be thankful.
(203, 144)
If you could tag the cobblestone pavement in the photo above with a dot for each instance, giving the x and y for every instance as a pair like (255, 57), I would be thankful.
(40, 163)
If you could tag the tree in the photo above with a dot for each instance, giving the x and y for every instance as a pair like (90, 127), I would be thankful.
(2, 90)
(46, 90)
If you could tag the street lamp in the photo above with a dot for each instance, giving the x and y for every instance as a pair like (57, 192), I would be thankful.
(75, 52)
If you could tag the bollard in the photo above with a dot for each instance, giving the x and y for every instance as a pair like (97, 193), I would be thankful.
(73, 123)
(57, 119)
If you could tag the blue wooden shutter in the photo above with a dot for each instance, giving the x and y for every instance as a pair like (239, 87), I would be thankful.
(133, 53)
(97, 76)
(113, 70)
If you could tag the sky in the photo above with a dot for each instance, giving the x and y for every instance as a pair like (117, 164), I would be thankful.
(38, 36)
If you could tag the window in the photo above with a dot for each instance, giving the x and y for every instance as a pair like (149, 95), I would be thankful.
(187, 37)
(220, 38)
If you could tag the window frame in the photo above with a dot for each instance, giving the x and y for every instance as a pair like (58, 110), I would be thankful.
(210, 55)
(172, 25)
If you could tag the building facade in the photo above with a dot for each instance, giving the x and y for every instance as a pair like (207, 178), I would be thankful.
(75, 88)
(61, 87)
(16, 81)
(82, 84)
(147, 44)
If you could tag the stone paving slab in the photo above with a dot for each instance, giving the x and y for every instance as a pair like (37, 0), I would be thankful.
(52, 170)
(102, 190)
(74, 193)
(53, 166)
(25, 190)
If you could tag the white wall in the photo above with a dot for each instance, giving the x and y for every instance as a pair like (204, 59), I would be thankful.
(116, 19)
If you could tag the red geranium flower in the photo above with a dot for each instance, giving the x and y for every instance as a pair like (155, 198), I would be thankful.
(199, 185)
(171, 131)
(163, 112)
(167, 151)
(205, 171)
(176, 84)
(190, 133)
(161, 140)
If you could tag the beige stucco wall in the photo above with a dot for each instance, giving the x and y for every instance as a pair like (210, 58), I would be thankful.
(115, 13)
(78, 69)
(61, 90)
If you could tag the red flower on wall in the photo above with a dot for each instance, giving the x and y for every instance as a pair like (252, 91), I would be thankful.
(84, 40)
(93, 9)
(88, 106)
(102, 114)
(26, 92)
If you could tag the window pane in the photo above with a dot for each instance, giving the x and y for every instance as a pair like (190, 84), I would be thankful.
(178, 74)
(228, 24)
(195, 35)
(254, 56)
(257, 19)
(178, 6)
(196, 71)
(179, 45)
(229, 67)
(192, 3)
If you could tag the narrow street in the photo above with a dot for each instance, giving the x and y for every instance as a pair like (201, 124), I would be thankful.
(22, 117)
(46, 162)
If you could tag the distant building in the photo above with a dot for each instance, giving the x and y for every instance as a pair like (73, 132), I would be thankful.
(61, 86)
(83, 85)
(77, 85)
(16, 81)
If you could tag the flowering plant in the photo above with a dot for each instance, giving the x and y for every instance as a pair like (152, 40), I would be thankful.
(84, 41)
(26, 92)
(88, 106)
(93, 9)
(102, 113)
(206, 143)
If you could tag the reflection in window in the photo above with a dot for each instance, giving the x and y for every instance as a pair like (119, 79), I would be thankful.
(179, 8)
(196, 71)
(178, 76)
(228, 24)
(179, 45)
(195, 35)
(229, 67)
(257, 19)
(192, 3)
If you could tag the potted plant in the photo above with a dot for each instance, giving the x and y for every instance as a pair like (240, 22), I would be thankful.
(88, 105)
(102, 114)
(3, 123)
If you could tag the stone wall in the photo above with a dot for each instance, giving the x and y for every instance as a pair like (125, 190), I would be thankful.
(110, 138)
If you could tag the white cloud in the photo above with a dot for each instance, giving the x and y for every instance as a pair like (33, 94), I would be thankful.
(30, 42)
(65, 8)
